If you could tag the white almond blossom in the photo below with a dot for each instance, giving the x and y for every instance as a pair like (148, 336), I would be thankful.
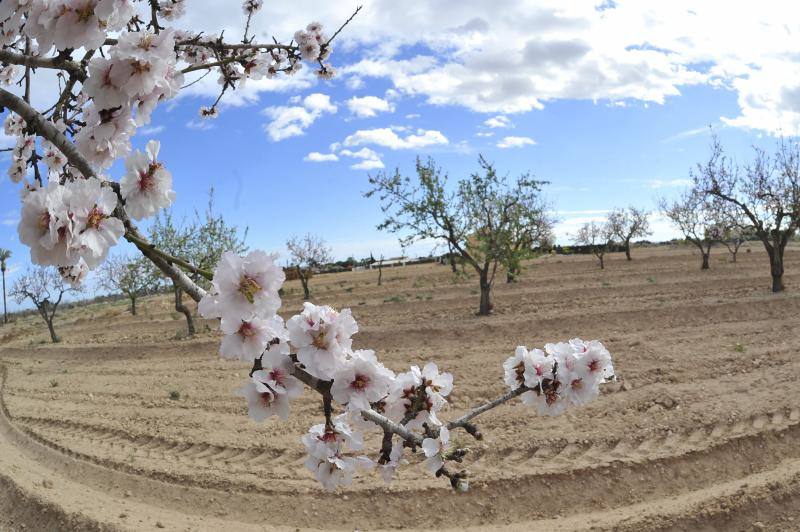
(322, 338)
(388, 470)
(244, 287)
(327, 448)
(361, 380)
(91, 206)
(246, 340)
(435, 449)
(263, 402)
(74, 275)
(276, 373)
(146, 186)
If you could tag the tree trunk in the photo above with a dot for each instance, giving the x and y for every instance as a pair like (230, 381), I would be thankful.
(734, 255)
(304, 282)
(486, 288)
(628, 249)
(705, 265)
(452, 257)
(133, 305)
(380, 273)
(180, 307)
(602, 262)
(53, 336)
(5, 308)
(776, 267)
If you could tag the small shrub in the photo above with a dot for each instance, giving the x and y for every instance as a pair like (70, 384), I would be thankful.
(394, 299)
(651, 280)
(739, 347)
(174, 395)
(53, 383)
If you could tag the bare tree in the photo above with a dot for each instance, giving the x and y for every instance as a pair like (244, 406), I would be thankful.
(765, 191)
(127, 275)
(629, 224)
(475, 219)
(201, 242)
(5, 254)
(696, 219)
(308, 253)
(598, 237)
(45, 288)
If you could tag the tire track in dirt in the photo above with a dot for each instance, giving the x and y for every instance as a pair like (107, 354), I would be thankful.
(583, 466)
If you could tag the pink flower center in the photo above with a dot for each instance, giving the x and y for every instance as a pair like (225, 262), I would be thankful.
(44, 221)
(246, 330)
(319, 341)
(594, 365)
(147, 178)
(277, 375)
(96, 216)
(360, 383)
(249, 287)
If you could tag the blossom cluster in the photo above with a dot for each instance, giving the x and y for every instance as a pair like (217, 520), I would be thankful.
(563, 375)
(318, 343)
(137, 69)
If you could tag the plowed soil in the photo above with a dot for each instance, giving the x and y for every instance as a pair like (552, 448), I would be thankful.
(128, 425)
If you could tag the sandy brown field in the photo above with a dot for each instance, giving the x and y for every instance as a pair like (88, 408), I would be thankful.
(701, 433)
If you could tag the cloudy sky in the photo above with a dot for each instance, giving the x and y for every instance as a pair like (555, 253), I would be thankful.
(609, 101)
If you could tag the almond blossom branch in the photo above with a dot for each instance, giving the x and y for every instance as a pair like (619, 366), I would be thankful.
(32, 61)
(464, 421)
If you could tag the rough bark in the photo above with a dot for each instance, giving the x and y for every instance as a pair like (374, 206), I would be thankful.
(5, 307)
(705, 265)
(602, 262)
(304, 281)
(776, 267)
(180, 307)
(628, 250)
(485, 307)
(133, 304)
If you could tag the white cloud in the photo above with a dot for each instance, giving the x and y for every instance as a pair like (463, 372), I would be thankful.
(515, 142)
(369, 160)
(317, 157)
(293, 121)
(369, 106)
(498, 121)
(387, 138)
(202, 124)
(150, 130)
(484, 134)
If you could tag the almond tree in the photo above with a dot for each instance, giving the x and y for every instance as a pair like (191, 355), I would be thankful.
(629, 224)
(307, 254)
(696, 219)
(130, 276)
(117, 61)
(597, 237)
(45, 288)
(5, 254)
(765, 192)
(477, 218)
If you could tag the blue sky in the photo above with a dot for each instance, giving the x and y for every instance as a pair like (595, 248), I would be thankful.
(611, 105)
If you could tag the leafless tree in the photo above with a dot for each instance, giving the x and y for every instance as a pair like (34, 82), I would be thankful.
(629, 224)
(598, 237)
(696, 219)
(127, 275)
(5, 254)
(45, 288)
(766, 192)
(475, 219)
(308, 253)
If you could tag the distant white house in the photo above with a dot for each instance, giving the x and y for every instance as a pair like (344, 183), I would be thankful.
(389, 263)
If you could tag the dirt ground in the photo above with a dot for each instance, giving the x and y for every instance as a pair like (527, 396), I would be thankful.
(127, 425)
